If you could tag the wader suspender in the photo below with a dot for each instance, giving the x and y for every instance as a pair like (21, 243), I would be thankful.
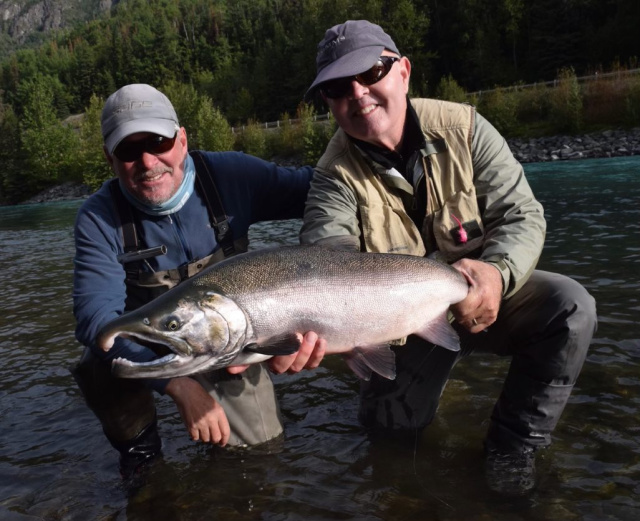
(130, 240)
(219, 221)
(131, 244)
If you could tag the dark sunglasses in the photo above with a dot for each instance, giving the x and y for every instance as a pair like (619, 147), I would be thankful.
(340, 87)
(129, 151)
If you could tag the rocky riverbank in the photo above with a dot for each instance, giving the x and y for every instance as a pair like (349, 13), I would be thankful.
(63, 192)
(609, 143)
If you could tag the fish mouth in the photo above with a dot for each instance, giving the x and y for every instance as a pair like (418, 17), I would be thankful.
(172, 363)
(160, 345)
(169, 366)
(176, 358)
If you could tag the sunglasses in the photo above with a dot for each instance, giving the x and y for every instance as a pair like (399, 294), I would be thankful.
(129, 151)
(340, 87)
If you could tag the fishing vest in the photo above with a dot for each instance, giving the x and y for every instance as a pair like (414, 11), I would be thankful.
(143, 286)
(452, 227)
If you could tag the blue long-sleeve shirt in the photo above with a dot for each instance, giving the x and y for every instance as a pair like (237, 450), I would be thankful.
(251, 190)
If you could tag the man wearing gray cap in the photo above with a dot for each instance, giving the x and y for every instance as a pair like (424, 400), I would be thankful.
(168, 214)
(429, 177)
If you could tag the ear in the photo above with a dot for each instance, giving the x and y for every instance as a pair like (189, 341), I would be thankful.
(405, 72)
(183, 137)
(108, 156)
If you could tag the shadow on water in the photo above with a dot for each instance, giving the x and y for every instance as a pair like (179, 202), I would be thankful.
(54, 463)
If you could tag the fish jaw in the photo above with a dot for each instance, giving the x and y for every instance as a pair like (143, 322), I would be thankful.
(203, 333)
(170, 366)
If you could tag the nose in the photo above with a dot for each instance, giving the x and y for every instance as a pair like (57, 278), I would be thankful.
(358, 90)
(148, 160)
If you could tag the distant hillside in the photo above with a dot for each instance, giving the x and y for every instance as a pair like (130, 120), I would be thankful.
(27, 22)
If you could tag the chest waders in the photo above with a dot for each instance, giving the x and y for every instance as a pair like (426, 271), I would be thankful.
(126, 407)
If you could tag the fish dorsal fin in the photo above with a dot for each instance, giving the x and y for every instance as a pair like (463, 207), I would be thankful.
(440, 332)
(377, 358)
(286, 344)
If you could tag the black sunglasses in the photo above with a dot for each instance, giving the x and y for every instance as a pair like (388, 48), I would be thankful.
(129, 151)
(340, 87)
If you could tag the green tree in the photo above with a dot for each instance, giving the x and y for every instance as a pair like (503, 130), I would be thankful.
(95, 168)
(566, 102)
(212, 129)
(253, 140)
(315, 136)
(50, 148)
(500, 106)
(11, 176)
(185, 100)
(449, 90)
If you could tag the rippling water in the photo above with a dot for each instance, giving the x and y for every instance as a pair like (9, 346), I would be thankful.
(55, 463)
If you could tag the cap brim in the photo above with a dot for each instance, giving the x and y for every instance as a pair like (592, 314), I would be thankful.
(348, 65)
(162, 127)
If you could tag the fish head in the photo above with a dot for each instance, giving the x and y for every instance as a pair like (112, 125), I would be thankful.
(202, 330)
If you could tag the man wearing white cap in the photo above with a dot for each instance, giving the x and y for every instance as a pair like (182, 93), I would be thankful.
(168, 214)
(428, 177)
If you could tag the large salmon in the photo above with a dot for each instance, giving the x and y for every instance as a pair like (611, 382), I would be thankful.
(250, 307)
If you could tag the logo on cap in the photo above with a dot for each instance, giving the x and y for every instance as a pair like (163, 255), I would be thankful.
(331, 45)
(132, 105)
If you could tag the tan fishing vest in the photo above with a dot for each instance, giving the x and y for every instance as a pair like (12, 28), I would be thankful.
(382, 195)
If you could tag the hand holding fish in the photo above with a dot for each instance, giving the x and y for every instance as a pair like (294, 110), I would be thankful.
(203, 417)
(311, 352)
(309, 356)
(480, 308)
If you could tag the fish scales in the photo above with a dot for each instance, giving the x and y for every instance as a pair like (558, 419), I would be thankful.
(321, 276)
(357, 302)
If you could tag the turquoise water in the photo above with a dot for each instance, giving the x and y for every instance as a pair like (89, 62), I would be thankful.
(55, 464)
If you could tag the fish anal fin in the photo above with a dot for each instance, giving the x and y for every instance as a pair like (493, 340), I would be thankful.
(377, 358)
(286, 344)
(440, 332)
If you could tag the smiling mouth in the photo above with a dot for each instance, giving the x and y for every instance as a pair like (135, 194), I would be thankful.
(151, 178)
(366, 110)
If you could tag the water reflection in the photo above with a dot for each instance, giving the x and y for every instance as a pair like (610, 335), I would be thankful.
(54, 463)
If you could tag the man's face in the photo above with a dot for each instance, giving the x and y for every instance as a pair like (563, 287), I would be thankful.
(152, 178)
(376, 113)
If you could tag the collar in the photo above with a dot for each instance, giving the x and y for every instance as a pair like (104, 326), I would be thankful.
(412, 140)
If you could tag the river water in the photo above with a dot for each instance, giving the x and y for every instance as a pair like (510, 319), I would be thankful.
(56, 465)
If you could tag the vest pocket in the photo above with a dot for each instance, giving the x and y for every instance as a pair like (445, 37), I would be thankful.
(389, 230)
(457, 227)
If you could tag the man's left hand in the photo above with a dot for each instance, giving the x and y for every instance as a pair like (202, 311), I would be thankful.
(480, 307)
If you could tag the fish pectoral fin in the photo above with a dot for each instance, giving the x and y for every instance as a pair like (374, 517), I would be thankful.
(440, 332)
(377, 358)
(276, 346)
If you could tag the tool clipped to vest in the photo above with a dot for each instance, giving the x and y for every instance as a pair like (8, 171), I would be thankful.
(133, 254)
(138, 255)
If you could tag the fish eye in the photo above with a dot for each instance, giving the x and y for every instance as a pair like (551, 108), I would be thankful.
(172, 324)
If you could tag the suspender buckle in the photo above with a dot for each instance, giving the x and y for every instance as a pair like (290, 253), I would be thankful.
(221, 228)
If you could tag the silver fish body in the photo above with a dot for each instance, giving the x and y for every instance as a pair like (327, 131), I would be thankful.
(250, 307)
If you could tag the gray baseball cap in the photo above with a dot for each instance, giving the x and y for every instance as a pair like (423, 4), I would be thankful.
(137, 108)
(348, 49)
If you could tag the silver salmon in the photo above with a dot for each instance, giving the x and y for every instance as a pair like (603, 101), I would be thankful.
(248, 308)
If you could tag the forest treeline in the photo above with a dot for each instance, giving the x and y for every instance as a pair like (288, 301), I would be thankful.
(235, 62)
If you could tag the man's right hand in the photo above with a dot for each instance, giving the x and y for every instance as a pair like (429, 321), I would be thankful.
(204, 418)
